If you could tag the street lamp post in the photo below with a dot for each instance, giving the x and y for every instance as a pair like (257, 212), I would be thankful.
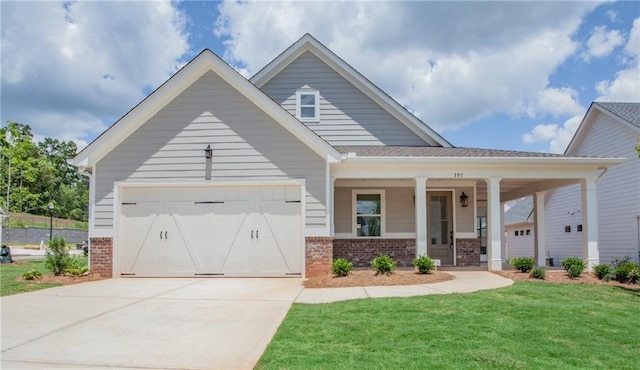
(50, 222)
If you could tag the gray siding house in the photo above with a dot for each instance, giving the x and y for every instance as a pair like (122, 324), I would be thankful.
(216, 175)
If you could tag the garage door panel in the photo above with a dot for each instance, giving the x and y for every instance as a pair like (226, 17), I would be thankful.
(235, 231)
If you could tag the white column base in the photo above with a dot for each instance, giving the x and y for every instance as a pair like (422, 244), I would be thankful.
(494, 265)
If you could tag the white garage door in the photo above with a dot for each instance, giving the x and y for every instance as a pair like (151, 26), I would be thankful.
(209, 231)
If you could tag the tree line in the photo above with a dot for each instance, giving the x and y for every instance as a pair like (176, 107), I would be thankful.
(36, 174)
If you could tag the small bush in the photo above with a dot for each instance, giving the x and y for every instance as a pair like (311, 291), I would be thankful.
(522, 264)
(574, 271)
(384, 264)
(32, 274)
(341, 267)
(634, 276)
(623, 269)
(568, 262)
(76, 266)
(57, 259)
(602, 272)
(538, 273)
(424, 264)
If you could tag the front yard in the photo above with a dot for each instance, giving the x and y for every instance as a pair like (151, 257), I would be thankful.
(528, 325)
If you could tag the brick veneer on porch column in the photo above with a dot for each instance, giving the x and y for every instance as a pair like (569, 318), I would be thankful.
(101, 254)
(468, 252)
(318, 255)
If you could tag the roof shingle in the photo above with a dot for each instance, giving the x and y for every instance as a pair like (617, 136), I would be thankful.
(629, 112)
(436, 151)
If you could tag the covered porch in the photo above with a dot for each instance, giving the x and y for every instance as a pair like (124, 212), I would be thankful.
(450, 208)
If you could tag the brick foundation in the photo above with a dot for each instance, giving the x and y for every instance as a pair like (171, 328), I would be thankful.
(101, 256)
(318, 255)
(361, 251)
(468, 252)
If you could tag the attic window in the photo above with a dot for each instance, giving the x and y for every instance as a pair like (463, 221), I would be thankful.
(308, 105)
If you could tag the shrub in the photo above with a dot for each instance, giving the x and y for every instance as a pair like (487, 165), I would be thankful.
(384, 264)
(602, 272)
(32, 274)
(522, 264)
(76, 266)
(424, 264)
(623, 269)
(341, 267)
(634, 276)
(538, 273)
(57, 259)
(574, 261)
(574, 271)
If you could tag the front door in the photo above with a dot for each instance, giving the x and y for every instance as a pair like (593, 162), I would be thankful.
(440, 227)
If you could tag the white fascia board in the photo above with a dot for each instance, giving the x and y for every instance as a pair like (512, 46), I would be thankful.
(207, 61)
(308, 43)
(605, 162)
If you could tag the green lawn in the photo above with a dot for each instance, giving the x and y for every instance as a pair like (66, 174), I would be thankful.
(10, 271)
(525, 326)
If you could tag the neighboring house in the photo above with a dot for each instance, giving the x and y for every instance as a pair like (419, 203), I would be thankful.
(519, 231)
(214, 174)
(607, 130)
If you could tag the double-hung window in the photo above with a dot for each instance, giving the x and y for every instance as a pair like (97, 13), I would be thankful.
(369, 216)
(308, 105)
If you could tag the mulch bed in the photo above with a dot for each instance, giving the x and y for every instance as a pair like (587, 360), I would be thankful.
(560, 276)
(359, 278)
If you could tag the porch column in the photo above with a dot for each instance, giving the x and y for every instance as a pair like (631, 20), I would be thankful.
(421, 216)
(590, 253)
(540, 249)
(503, 239)
(494, 237)
(332, 206)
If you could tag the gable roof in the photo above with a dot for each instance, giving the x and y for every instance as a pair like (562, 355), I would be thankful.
(204, 62)
(626, 113)
(309, 43)
(521, 211)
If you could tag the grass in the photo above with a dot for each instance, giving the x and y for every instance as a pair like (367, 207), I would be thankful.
(527, 325)
(9, 272)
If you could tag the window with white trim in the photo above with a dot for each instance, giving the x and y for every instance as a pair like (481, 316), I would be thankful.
(368, 213)
(308, 105)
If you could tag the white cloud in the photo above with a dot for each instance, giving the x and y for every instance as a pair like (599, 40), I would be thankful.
(602, 42)
(449, 62)
(613, 15)
(67, 66)
(558, 136)
(626, 84)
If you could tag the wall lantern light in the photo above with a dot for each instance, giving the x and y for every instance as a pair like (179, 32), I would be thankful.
(208, 153)
(464, 200)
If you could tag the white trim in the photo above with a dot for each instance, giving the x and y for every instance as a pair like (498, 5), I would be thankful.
(102, 233)
(354, 221)
(328, 208)
(92, 203)
(465, 235)
(316, 106)
(422, 229)
(309, 43)
(387, 236)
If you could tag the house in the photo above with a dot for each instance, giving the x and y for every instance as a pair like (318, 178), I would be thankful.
(216, 175)
(607, 130)
(519, 230)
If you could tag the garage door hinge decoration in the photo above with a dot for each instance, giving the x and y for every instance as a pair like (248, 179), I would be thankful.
(292, 201)
(210, 202)
(129, 203)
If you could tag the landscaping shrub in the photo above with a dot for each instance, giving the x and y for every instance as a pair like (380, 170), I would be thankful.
(538, 273)
(77, 266)
(623, 269)
(341, 267)
(568, 262)
(602, 272)
(424, 264)
(384, 264)
(574, 271)
(57, 259)
(32, 274)
(522, 264)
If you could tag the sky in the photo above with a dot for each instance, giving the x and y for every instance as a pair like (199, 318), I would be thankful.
(506, 75)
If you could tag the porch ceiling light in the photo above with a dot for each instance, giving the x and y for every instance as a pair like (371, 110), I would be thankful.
(208, 152)
(464, 200)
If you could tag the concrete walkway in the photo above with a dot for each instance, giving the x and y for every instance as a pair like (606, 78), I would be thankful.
(464, 282)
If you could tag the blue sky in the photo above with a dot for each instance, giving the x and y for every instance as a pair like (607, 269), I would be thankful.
(508, 75)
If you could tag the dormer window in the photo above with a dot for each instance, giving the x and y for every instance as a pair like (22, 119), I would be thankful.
(308, 105)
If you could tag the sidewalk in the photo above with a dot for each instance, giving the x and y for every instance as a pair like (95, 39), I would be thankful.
(464, 282)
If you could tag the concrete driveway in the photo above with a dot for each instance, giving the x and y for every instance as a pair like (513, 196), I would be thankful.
(145, 323)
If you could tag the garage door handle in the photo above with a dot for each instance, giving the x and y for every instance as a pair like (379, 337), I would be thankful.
(251, 234)
(256, 234)
(165, 235)
(160, 235)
